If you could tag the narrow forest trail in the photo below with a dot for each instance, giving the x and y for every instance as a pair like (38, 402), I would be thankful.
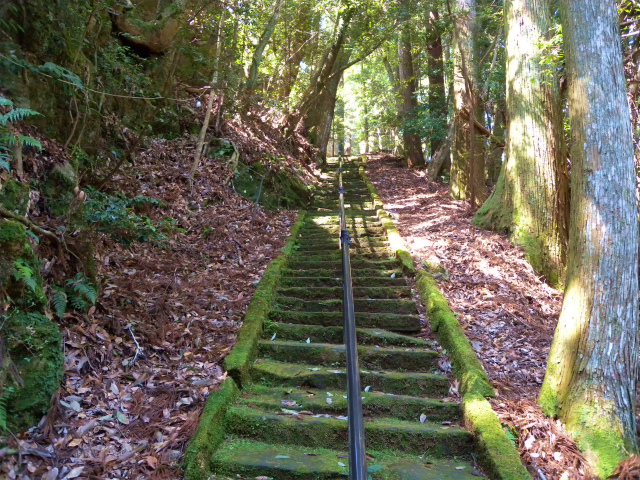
(290, 421)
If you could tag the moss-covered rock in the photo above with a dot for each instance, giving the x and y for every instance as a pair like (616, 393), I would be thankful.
(280, 188)
(58, 187)
(19, 267)
(14, 196)
(32, 370)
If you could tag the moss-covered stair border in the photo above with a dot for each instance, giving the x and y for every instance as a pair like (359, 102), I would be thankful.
(499, 457)
(210, 431)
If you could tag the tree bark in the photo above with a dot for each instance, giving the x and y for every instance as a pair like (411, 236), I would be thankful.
(592, 369)
(318, 120)
(408, 88)
(467, 159)
(252, 77)
(435, 65)
(532, 201)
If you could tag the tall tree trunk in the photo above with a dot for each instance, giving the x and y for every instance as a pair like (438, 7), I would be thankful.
(393, 80)
(435, 65)
(252, 77)
(467, 159)
(408, 88)
(592, 369)
(495, 153)
(319, 119)
(531, 199)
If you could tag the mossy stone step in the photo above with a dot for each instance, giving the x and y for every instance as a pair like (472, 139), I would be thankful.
(351, 220)
(361, 305)
(302, 263)
(354, 247)
(388, 321)
(329, 255)
(333, 242)
(334, 234)
(246, 458)
(335, 204)
(328, 293)
(320, 334)
(335, 281)
(374, 404)
(370, 357)
(302, 430)
(300, 375)
(336, 273)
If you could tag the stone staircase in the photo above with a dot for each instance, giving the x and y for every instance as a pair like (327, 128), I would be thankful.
(290, 422)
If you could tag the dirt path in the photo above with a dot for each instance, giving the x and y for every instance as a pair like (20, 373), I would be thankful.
(508, 313)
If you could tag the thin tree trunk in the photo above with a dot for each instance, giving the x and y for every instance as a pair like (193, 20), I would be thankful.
(252, 77)
(467, 160)
(408, 88)
(531, 203)
(435, 65)
(592, 369)
(207, 115)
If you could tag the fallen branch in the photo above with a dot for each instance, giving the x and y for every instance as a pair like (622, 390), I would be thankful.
(233, 163)
(138, 347)
(29, 224)
(482, 129)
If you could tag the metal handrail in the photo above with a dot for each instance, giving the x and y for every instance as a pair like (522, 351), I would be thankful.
(357, 458)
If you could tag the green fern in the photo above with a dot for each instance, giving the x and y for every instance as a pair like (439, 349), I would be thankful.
(16, 115)
(24, 273)
(59, 302)
(4, 400)
(82, 287)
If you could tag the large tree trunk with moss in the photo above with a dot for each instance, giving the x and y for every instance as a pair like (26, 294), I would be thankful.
(408, 88)
(592, 369)
(530, 200)
(467, 159)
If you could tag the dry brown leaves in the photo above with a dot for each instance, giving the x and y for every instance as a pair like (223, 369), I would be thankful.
(543, 443)
(140, 365)
(507, 312)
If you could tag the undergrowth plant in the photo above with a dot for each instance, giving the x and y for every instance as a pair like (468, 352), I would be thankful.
(115, 215)
(8, 137)
(24, 273)
(77, 293)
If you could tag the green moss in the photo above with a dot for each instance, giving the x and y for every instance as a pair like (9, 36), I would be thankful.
(296, 375)
(34, 345)
(14, 247)
(14, 196)
(58, 187)
(210, 432)
(599, 436)
(401, 407)
(334, 355)
(388, 321)
(280, 188)
(410, 437)
(395, 240)
(467, 367)
(499, 458)
(243, 354)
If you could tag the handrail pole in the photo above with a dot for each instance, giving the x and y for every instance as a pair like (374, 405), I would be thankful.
(357, 457)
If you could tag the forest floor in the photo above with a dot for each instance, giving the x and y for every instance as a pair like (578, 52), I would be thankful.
(508, 313)
(140, 364)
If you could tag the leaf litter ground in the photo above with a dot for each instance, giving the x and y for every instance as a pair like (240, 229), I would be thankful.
(508, 313)
(140, 365)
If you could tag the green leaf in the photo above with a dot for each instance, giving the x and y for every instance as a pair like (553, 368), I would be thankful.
(34, 236)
